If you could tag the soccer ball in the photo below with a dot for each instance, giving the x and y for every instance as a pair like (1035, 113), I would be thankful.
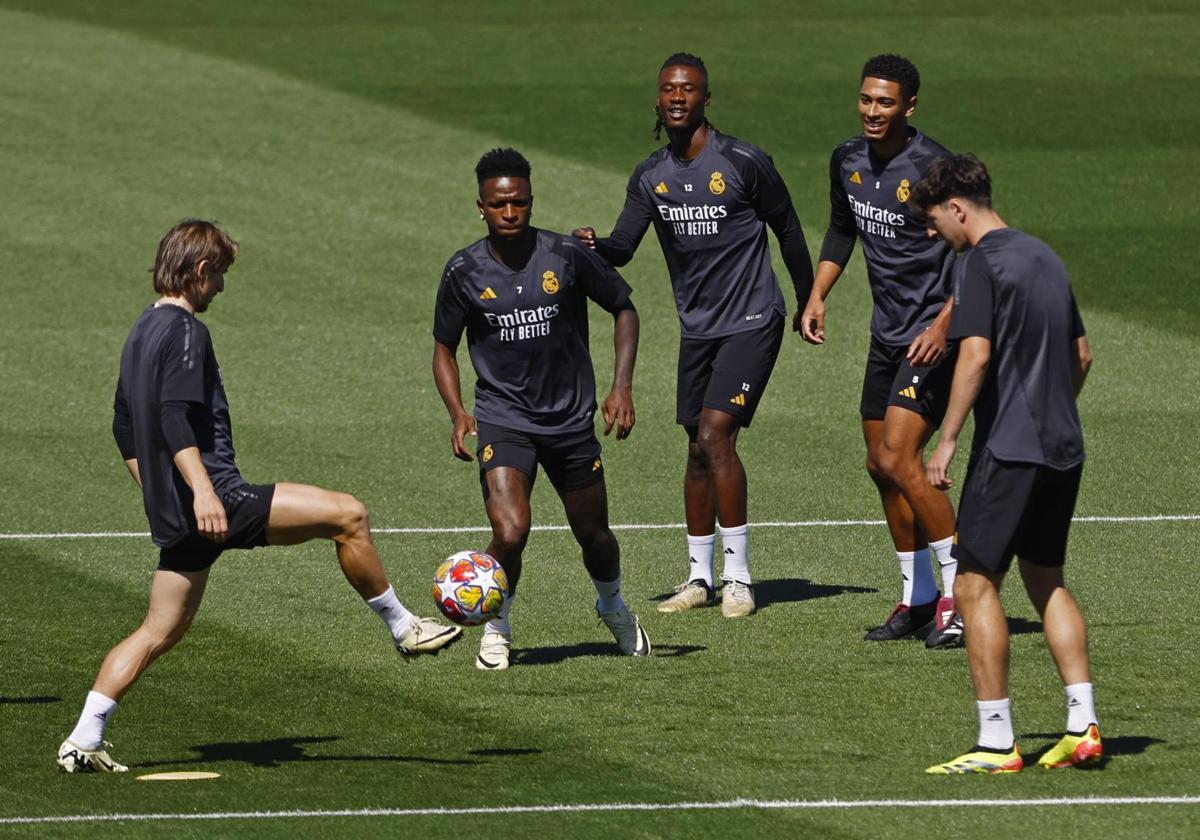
(470, 587)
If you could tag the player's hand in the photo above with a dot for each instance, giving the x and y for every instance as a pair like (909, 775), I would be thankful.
(210, 516)
(586, 235)
(938, 467)
(618, 411)
(929, 347)
(463, 426)
(811, 322)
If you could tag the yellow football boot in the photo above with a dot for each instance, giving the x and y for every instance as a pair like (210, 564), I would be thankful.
(1074, 750)
(981, 760)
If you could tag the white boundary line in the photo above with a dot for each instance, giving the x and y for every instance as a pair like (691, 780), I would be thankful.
(643, 526)
(727, 805)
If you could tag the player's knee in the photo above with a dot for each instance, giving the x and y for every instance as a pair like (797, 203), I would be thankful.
(353, 519)
(510, 535)
(714, 444)
(896, 466)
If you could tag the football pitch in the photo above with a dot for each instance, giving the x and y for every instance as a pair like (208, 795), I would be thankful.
(336, 143)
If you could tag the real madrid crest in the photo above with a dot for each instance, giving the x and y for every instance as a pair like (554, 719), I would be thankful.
(716, 183)
(902, 190)
(487, 452)
(549, 282)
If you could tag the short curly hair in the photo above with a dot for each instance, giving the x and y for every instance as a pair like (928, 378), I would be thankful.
(952, 176)
(894, 68)
(502, 163)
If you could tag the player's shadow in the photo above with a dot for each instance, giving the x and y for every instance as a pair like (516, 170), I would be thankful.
(1021, 626)
(279, 751)
(28, 701)
(1120, 745)
(504, 751)
(784, 590)
(561, 653)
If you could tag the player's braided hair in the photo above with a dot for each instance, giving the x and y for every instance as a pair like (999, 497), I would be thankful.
(683, 59)
(894, 68)
(502, 163)
(952, 176)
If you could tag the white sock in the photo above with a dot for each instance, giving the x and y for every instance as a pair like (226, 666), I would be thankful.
(1081, 708)
(393, 613)
(609, 592)
(700, 558)
(501, 624)
(995, 724)
(88, 733)
(736, 565)
(906, 576)
(924, 587)
(949, 566)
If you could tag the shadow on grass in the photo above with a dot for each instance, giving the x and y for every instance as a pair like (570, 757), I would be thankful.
(1121, 745)
(1021, 626)
(785, 590)
(279, 751)
(561, 653)
(501, 751)
(28, 701)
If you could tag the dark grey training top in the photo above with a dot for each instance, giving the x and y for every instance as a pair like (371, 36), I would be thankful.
(168, 357)
(709, 215)
(527, 330)
(908, 271)
(1014, 291)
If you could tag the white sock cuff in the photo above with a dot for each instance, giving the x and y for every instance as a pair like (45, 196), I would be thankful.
(1075, 687)
(735, 531)
(941, 550)
(906, 556)
(992, 705)
(701, 541)
(381, 597)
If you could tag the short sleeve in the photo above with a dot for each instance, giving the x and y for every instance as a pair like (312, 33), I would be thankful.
(181, 361)
(450, 311)
(599, 280)
(973, 294)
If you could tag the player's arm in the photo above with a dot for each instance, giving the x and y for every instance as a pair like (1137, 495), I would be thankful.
(449, 384)
(618, 405)
(974, 354)
(972, 324)
(122, 429)
(619, 246)
(1081, 360)
(836, 249)
(773, 203)
(450, 312)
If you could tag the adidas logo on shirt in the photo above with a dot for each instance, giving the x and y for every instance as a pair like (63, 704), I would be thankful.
(487, 294)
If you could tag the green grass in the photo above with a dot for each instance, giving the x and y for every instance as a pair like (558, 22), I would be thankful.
(337, 144)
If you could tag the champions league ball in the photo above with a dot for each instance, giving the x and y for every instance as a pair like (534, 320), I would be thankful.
(470, 587)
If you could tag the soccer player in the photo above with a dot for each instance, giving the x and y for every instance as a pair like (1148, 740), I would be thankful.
(172, 426)
(909, 364)
(521, 296)
(1022, 360)
(708, 196)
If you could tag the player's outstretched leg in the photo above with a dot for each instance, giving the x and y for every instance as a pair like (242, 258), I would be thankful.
(174, 599)
(587, 512)
(507, 506)
(302, 512)
(1066, 636)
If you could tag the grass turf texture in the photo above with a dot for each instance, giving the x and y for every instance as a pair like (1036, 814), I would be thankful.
(337, 145)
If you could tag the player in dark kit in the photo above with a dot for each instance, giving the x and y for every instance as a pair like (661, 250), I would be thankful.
(172, 426)
(910, 362)
(1022, 361)
(521, 295)
(708, 196)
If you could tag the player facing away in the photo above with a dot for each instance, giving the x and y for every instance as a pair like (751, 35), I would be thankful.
(521, 295)
(910, 362)
(708, 196)
(1022, 360)
(172, 426)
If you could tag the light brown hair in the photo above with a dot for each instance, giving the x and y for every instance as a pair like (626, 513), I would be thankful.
(182, 250)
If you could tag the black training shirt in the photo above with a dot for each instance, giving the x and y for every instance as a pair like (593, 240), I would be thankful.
(709, 213)
(908, 271)
(527, 330)
(1014, 291)
(168, 357)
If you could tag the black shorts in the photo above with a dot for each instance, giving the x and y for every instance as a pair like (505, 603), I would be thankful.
(728, 373)
(1008, 508)
(247, 509)
(572, 460)
(891, 380)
